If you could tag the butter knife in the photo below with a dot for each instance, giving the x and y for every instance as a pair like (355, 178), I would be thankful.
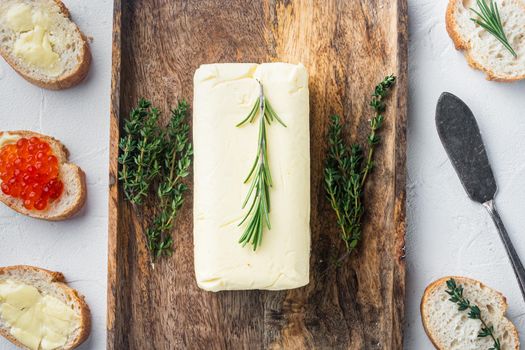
(460, 135)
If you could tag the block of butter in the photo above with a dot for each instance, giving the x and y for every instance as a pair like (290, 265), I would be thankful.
(224, 153)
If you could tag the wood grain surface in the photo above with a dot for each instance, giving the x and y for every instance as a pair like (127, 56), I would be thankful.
(347, 47)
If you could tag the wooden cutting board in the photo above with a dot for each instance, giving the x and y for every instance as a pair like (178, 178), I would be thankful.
(347, 47)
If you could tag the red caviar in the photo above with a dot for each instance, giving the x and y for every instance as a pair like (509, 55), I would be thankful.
(29, 171)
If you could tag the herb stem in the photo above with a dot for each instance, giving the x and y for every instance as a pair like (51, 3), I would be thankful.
(176, 159)
(368, 161)
(139, 171)
(455, 291)
(257, 218)
(490, 20)
(491, 334)
(126, 150)
(154, 157)
(140, 148)
(346, 172)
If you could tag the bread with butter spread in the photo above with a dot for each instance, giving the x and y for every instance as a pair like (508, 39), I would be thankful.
(39, 40)
(39, 311)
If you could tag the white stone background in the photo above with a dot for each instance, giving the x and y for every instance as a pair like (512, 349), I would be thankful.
(79, 117)
(447, 233)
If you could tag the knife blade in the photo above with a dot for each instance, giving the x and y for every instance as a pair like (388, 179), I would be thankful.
(461, 138)
(460, 135)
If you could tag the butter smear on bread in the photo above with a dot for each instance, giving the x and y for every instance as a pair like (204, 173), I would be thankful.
(7, 138)
(36, 320)
(40, 41)
(35, 43)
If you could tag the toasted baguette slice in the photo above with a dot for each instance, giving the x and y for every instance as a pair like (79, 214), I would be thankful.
(74, 195)
(53, 284)
(482, 50)
(66, 40)
(451, 329)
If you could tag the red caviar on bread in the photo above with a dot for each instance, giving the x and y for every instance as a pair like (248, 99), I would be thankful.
(29, 171)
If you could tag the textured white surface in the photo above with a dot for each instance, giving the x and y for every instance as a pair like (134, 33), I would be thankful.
(79, 117)
(447, 233)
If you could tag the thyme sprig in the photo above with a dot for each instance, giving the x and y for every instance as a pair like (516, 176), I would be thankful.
(140, 149)
(175, 160)
(456, 296)
(490, 20)
(347, 170)
(258, 215)
(154, 159)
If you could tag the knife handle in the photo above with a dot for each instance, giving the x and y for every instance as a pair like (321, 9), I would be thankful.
(513, 256)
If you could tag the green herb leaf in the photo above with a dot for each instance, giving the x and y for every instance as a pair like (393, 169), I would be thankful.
(490, 20)
(257, 217)
(176, 160)
(347, 170)
(456, 293)
(140, 150)
(156, 159)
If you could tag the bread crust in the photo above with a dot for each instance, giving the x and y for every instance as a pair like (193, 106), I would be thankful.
(462, 45)
(461, 280)
(58, 279)
(63, 159)
(65, 81)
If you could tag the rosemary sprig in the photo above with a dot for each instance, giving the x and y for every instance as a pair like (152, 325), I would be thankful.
(175, 161)
(490, 20)
(258, 214)
(456, 296)
(346, 170)
(140, 149)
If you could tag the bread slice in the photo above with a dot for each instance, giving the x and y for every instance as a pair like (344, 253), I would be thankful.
(66, 40)
(482, 50)
(74, 195)
(451, 329)
(49, 283)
